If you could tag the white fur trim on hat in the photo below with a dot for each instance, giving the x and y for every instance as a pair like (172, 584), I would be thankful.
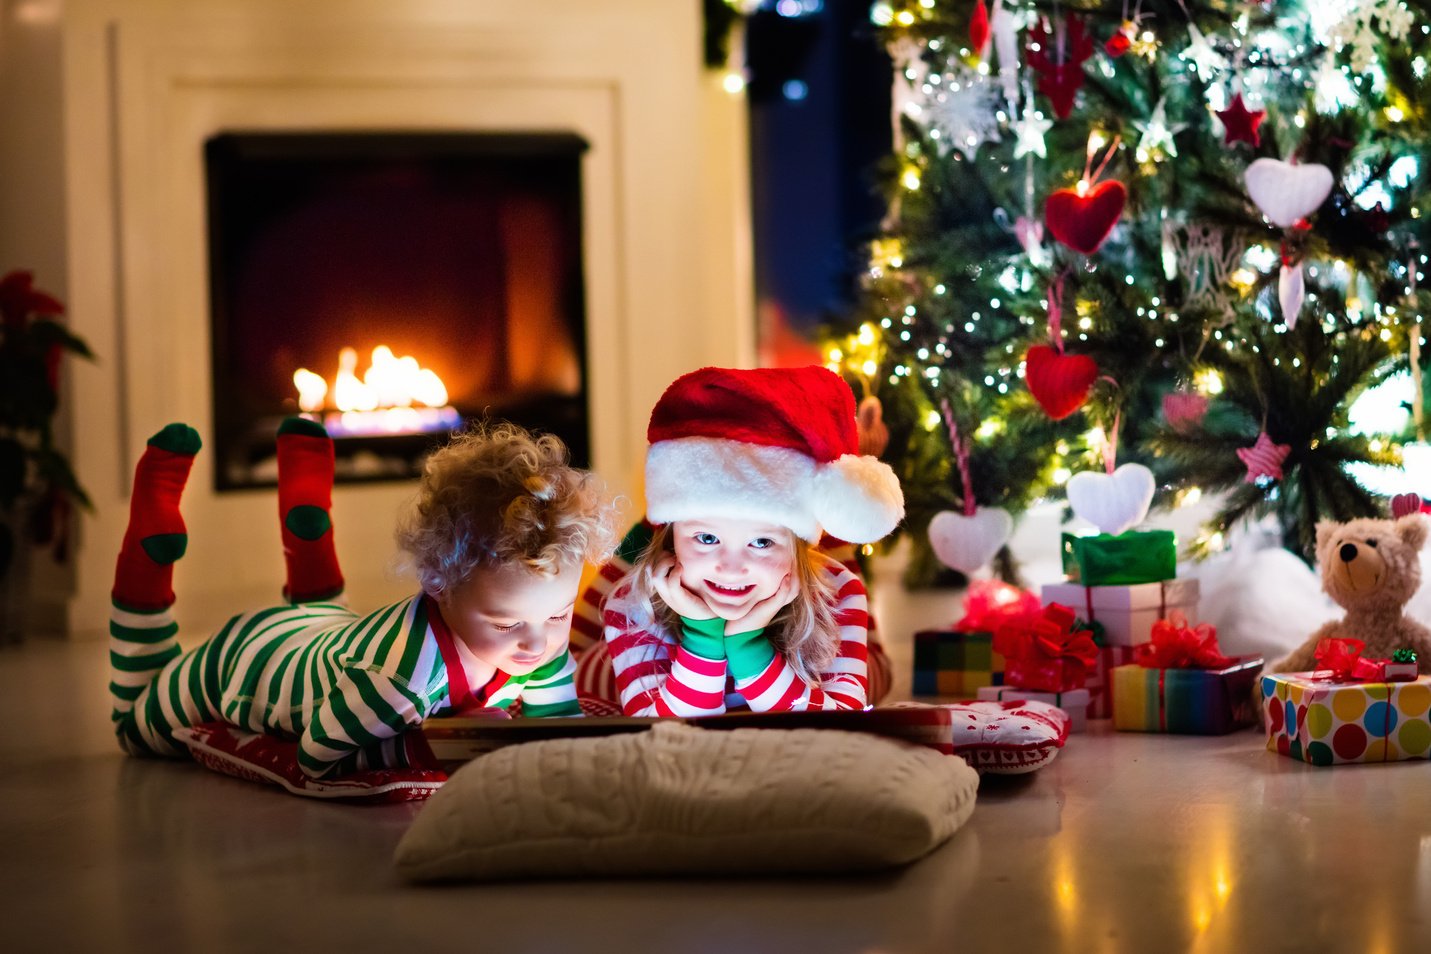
(698, 477)
(857, 499)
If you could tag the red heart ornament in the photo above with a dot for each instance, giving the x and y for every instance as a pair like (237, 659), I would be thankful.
(1082, 222)
(1059, 382)
(1404, 504)
(979, 28)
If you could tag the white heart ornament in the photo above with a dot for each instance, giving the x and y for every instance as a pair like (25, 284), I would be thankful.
(1285, 192)
(965, 543)
(1112, 502)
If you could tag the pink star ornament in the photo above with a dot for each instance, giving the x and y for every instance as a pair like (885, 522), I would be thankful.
(1264, 458)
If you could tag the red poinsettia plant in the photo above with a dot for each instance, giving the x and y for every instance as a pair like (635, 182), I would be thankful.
(37, 485)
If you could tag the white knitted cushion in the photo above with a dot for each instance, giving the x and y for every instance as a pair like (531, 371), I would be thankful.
(678, 799)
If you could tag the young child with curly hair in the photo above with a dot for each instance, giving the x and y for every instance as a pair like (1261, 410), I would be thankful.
(731, 604)
(499, 533)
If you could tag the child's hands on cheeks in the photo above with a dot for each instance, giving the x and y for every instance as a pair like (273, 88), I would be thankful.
(759, 615)
(667, 581)
(668, 585)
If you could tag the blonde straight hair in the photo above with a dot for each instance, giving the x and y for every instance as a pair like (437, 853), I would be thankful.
(804, 633)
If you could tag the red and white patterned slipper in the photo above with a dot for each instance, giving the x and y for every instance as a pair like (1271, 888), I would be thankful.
(270, 760)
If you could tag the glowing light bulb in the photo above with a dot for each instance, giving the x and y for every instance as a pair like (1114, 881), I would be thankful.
(1208, 381)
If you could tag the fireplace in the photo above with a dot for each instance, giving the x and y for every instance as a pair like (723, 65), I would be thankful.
(392, 286)
(134, 93)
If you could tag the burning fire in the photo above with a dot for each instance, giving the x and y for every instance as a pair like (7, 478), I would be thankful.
(394, 396)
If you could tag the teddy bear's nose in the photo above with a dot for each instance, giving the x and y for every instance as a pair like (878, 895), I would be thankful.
(1347, 552)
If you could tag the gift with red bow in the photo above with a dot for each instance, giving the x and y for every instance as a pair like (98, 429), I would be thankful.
(1047, 652)
(1182, 683)
(1127, 612)
(989, 605)
(1350, 710)
(1341, 660)
(1176, 645)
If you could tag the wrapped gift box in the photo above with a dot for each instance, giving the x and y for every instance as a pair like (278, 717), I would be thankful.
(1074, 702)
(951, 663)
(1185, 701)
(1402, 671)
(1100, 679)
(1138, 556)
(1126, 613)
(1331, 723)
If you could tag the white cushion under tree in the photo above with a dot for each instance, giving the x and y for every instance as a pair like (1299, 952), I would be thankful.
(678, 799)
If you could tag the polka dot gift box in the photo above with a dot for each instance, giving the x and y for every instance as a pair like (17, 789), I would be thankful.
(1327, 723)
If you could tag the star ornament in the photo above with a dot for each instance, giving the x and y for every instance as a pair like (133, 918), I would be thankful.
(1239, 123)
(1263, 459)
(1030, 130)
(1157, 139)
(1200, 54)
(966, 112)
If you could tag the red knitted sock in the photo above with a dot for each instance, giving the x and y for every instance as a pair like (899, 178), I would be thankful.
(156, 537)
(305, 497)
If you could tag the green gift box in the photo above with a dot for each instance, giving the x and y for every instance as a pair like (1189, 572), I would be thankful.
(1138, 556)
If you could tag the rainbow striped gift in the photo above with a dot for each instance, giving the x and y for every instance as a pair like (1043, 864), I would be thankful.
(1185, 701)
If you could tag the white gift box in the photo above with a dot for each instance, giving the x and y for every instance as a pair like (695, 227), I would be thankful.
(1402, 672)
(1074, 701)
(1127, 612)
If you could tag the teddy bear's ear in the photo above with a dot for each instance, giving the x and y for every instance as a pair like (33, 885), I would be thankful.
(1412, 530)
(1325, 531)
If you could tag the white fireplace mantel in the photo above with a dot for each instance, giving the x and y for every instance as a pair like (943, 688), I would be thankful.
(141, 85)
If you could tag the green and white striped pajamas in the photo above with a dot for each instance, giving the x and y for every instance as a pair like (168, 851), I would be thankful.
(346, 686)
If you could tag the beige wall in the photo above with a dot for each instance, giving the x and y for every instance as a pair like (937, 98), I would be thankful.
(32, 210)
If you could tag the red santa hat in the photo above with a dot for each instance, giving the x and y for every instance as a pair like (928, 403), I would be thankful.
(773, 444)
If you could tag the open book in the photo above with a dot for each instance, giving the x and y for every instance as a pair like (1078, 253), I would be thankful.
(457, 739)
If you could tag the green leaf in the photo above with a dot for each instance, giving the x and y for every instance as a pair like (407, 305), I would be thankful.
(47, 333)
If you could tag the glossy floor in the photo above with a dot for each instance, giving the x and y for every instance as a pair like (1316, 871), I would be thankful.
(1127, 843)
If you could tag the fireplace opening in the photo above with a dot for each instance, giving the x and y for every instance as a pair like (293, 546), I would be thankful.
(392, 286)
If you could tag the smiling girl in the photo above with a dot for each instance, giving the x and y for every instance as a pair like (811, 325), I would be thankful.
(730, 604)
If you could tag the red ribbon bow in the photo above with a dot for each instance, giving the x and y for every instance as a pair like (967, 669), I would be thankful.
(1341, 659)
(1176, 645)
(990, 605)
(1046, 653)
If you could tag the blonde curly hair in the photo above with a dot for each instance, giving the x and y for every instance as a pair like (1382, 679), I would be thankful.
(498, 495)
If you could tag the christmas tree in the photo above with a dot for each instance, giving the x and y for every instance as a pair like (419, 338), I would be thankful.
(1184, 234)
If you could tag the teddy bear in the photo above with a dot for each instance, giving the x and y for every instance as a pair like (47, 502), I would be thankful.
(1371, 568)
